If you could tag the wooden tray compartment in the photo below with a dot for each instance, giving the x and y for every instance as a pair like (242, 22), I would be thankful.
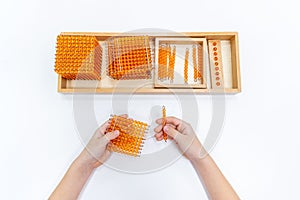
(181, 44)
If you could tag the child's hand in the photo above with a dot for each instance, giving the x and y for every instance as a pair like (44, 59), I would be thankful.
(96, 153)
(183, 134)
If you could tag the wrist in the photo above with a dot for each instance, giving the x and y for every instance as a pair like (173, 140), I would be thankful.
(86, 160)
(200, 159)
(197, 153)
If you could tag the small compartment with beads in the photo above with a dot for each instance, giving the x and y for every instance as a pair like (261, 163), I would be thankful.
(180, 62)
(220, 64)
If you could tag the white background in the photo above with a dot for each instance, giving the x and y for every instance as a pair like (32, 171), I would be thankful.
(259, 148)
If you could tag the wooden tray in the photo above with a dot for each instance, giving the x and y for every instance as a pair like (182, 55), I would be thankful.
(109, 86)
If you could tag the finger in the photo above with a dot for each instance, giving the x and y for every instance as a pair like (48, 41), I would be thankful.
(157, 135)
(106, 124)
(103, 127)
(176, 123)
(170, 120)
(158, 128)
(172, 132)
(171, 125)
(159, 138)
(110, 136)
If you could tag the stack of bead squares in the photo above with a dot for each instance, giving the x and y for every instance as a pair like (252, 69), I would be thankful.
(129, 58)
(78, 57)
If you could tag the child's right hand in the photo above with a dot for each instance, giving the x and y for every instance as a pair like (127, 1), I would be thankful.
(184, 135)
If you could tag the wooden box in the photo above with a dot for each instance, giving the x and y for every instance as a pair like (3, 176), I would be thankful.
(109, 86)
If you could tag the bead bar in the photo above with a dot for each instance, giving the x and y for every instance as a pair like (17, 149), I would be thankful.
(186, 65)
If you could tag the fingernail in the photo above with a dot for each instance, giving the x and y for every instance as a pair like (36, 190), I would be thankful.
(166, 128)
(116, 132)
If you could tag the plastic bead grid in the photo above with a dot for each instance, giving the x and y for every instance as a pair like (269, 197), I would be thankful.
(78, 57)
(129, 57)
(216, 64)
(131, 135)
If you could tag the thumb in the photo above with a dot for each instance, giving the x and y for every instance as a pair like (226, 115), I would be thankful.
(110, 136)
(172, 132)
